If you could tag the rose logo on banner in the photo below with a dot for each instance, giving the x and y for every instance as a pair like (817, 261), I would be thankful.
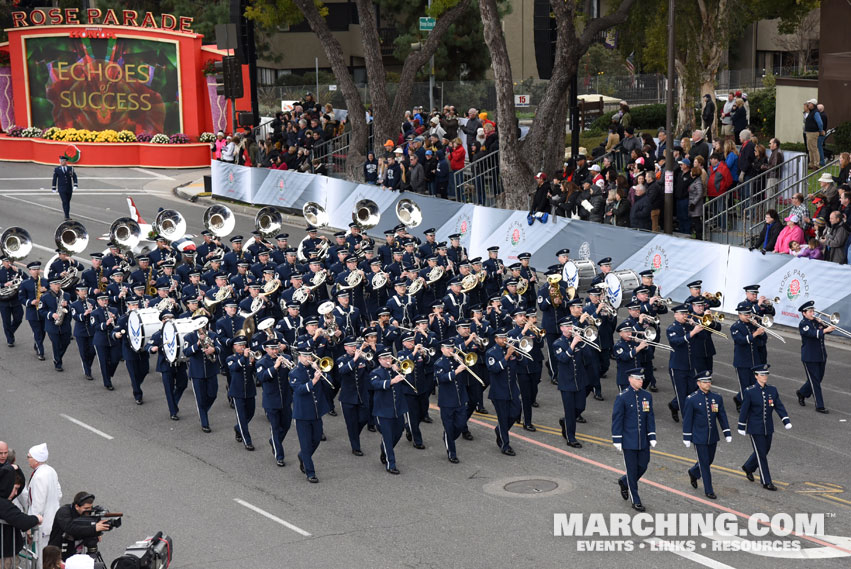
(230, 180)
(281, 184)
(794, 284)
(584, 251)
(463, 224)
(657, 258)
(515, 233)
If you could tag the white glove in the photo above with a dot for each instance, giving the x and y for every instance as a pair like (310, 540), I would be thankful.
(653, 444)
(741, 432)
(728, 439)
(619, 446)
(788, 426)
(687, 443)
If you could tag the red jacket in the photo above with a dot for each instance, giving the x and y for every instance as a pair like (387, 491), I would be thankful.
(720, 180)
(456, 158)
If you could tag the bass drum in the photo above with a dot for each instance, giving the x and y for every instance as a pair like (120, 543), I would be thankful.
(141, 325)
(174, 332)
(579, 273)
(629, 281)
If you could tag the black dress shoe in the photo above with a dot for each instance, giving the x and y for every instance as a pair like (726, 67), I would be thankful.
(581, 419)
(534, 404)
(801, 398)
(110, 388)
(249, 447)
(237, 436)
(58, 368)
(40, 357)
(482, 410)
(333, 412)
(10, 345)
(509, 451)
(370, 428)
(711, 496)
(383, 458)
(692, 480)
(393, 470)
(653, 389)
(409, 436)
(419, 446)
(530, 428)
(313, 480)
(498, 437)
(140, 401)
(624, 489)
(427, 419)
(357, 452)
(675, 414)
(467, 435)
(638, 507)
(770, 486)
(748, 475)
(280, 463)
(599, 398)
(454, 459)
(738, 405)
(822, 410)
(207, 429)
(574, 444)
(175, 418)
(90, 378)
(323, 437)
(300, 465)
(563, 430)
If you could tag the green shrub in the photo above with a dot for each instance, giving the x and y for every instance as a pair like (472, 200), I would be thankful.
(644, 117)
(842, 137)
(763, 110)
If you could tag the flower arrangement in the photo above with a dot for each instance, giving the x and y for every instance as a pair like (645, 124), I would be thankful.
(207, 137)
(144, 137)
(107, 136)
(73, 135)
(178, 138)
(31, 132)
(126, 136)
(209, 67)
(160, 139)
(50, 133)
(15, 131)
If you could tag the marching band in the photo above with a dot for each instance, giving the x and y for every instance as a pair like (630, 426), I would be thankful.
(380, 329)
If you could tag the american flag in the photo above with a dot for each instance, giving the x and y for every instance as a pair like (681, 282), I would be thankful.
(630, 67)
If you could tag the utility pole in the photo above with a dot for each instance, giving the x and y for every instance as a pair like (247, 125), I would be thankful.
(669, 134)
(430, 77)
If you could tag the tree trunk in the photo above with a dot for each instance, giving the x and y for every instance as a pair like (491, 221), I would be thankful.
(685, 110)
(354, 103)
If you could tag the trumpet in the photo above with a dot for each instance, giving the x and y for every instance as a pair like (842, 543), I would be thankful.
(537, 331)
(480, 341)
(771, 301)
(766, 322)
(711, 296)
(468, 359)
(650, 319)
(289, 364)
(831, 320)
(666, 301)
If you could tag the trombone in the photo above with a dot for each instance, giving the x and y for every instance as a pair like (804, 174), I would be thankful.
(831, 320)
(649, 337)
(324, 365)
(765, 322)
(588, 335)
(522, 346)
(468, 359)
(406, 368)
(706, 320)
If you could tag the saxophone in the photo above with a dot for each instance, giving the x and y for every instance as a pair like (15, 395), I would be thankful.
(38, 291)
(60, 310)
(150, 284)
(205, 341)
(101, 284)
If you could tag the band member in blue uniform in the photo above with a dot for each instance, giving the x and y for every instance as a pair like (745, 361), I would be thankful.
(702, 412)
(702, 345)
(174, 375)
(108, 350)
(55, 310)
(29, 294)
(627, 353)
(634, 434)
(309, 405)
(65, 182)
(746, 353)
(417, 388)
(451, 398)
(694, 290)
(203, 352)
(352, 368)
(389, 406)
(242, 390)
(601, 360)
(272, 372)
(11, 310)
(680, 334)
(504, 392)
(759, 402)
(81, 310)
(813, 355)
(136, 362)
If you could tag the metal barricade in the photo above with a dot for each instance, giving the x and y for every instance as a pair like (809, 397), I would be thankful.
(478, 182)
(27, 557)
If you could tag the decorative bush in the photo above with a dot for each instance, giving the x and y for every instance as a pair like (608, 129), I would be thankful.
(144, 137)
(126, 136)
(763, 109)
(15, 131)
(160, 139)
(842, 137)
(207, 137)
(107, 136)
(31, 132)
(50, 134)
(178, 138)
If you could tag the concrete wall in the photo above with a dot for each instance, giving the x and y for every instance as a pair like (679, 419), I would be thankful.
(789, 118)
(518, 29)
(835, 60)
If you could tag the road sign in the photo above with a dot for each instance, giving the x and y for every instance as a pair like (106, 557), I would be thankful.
(427, 24)
(522, 100)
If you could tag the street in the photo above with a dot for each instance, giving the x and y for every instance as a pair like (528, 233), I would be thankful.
(225, 507)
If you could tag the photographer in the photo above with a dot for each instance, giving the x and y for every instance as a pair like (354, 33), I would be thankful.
(75, 529)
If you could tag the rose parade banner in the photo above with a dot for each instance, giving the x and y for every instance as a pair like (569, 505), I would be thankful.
(98, 84)
(676, 261)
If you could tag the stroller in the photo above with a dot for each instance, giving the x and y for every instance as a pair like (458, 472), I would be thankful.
(829, 154)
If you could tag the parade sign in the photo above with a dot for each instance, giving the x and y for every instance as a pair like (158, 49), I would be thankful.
(96, 17)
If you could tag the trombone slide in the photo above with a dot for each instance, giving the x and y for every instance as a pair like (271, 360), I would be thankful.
(470, 371)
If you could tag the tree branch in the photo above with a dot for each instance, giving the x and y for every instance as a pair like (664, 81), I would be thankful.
(597, 25)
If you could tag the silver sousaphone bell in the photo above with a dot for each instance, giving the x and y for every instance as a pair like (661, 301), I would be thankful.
(366, 214)
(71, 236)
(315, 214)
(15, 243)
(170, 224)
(125, 232)
(268, 221)
(409, 213)
(219, 220)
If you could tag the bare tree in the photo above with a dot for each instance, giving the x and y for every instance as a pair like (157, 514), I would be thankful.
(801, 41)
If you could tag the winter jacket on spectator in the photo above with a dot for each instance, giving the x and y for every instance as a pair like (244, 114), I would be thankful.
(598, 204)
(541, 199)
(773, 231)
(835, 240)
(581, 176)
(844, 176)
(442, 171)
(696, 194)
(733, 166)
(747, 157)
(699, 149)
(681, 184)
(775, 159)
(430, 168)
(456, 158)
(491, 143)
(740, 120)
(219, 145)
(708, 113)
(470, 129)
(370, 171)
(807, 253)
(656, 194)
(630, 143)
(15, 520)
(621, 212)
(639, 215)
(788, 234)
(450, 125)
(720, 180)
(393, 177)
(417, 178)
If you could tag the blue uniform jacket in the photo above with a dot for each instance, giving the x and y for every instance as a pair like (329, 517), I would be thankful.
(103, 331)
(571, 365)
(83, 326)
(701, 414)
(49, 306)
(64, 179)
(633, 422)
(26, 294)
(627, 358)
(309, 401)
(200, 365)
(679, 339)
(758, 404)
(354, 389)
(387, 400)
(277, 392)
(451, 392)
(745, 353)
(503, 375)
(241, 377)
(812, 341)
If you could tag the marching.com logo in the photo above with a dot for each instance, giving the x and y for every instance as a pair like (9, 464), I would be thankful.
(782, 535)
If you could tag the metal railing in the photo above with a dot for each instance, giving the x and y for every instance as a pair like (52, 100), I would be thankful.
(333, 153)
(616, 156)
(477, 182)
(724, 218)
(779, 199)
(30, 550)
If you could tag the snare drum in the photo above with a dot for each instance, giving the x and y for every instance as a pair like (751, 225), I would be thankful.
(141, 325)
(587, 270)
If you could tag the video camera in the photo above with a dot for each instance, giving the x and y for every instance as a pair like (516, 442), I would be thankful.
(151, 553)
(113, 519)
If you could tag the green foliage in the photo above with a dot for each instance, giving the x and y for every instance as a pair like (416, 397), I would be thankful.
(207, 13)
(763, 109)
(644, 117)
(842, 137)
(271, 13)
(599, 59)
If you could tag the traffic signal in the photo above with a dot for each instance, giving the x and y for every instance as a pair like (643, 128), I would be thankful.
(229, 78)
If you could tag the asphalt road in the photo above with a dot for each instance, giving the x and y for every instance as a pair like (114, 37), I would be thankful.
(490, 510)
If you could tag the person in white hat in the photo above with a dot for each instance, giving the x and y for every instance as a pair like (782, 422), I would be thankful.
(79, 561)
(44, 492)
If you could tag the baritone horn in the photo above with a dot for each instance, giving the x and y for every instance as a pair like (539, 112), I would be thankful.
(366, 214)
(219, 220)
(71, 236)
(170, 224)
(268, 221)
(16, 243)
(409, 213)
(125, 232)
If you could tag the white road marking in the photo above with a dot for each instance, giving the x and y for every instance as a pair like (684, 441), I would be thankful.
(46, 193)
(59, 210)
(272, 517)
(153, 174)
(53, 250)
(85, 426)
(90, 177)
(690, 555)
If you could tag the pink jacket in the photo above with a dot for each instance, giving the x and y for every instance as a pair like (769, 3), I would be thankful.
(787, 235)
